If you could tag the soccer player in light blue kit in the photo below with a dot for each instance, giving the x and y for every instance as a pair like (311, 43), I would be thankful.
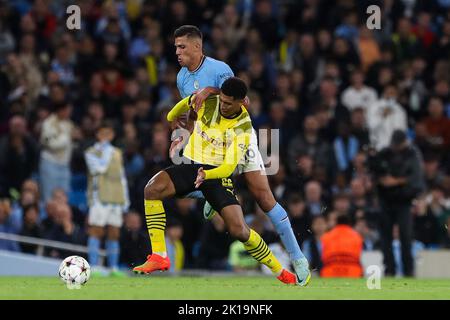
(204, 76)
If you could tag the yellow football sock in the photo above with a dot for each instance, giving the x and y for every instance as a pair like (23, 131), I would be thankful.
(259, 250)
(156, 225)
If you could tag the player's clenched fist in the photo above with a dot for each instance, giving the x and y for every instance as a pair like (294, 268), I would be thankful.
(199, 97)
(179, 123)
(200, 177)
(175, 147)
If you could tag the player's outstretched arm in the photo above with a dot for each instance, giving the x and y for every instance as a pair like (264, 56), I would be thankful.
(202, 94)
(181, 107)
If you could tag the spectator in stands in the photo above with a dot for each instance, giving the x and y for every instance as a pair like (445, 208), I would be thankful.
(214, 246)
(385, 116)
(46, 21)
(113, 84)
(48, 222)
(312, 247)
(423, 29)
(438, 205)
(426, 227)
(368, 47)
(278, 183)
(313, 198)
(341, 204)
(348, 29)
(308, 143)
(134, 243)
(341, 251)
(191, 220)
(361, 202)
(404, 41)
(65, 230)
(327, 98)
(345, 55)
(331, 219)
(412, 89)
(60, 196)
(361, 171)
(306, 58)
(370, 237)
(33, 75)
(434, 175)
(345, 148)
(62, 65)
(8, 225)
(30, 186)
(437, 125)
(27, 198)
(7, 41)
(56, 140)
(300, 217)
(446, 238)
(233, 26)
(442, 88)
(175, 248)
(18, 155)
(358, 94)
(259, 117)
(30, 228)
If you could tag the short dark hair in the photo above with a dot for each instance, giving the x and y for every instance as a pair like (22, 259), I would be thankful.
(106, 124)
(343, 219)
(31, 206)
(316, 217)
(234, 87)
(174, 222)
(188, 30)
(398, 137)
(58, 106)
(295, 197)
(435, 97)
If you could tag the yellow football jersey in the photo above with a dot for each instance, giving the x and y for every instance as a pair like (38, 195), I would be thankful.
(216, 140)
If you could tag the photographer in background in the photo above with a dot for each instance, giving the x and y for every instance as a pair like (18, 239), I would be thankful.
(399, 178)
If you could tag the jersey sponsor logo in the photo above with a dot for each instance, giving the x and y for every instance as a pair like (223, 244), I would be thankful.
(214, 141)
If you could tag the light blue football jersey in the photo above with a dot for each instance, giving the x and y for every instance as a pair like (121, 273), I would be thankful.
(210, 73)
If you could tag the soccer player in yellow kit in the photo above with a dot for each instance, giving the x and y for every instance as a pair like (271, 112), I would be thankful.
(204, 76)
(220, 139)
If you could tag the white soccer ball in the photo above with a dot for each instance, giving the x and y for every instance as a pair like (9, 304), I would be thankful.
(74, 270)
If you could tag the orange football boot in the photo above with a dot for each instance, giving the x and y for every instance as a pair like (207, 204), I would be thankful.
(154, 262)
(287, 277)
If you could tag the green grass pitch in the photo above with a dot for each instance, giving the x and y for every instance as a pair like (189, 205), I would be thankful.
(221, 288)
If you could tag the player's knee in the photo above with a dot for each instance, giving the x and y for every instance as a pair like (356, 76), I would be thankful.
(153, 190)
(113, 233)
(157, 187)
(96, 232)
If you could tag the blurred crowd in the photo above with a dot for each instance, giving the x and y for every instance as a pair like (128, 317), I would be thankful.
(335, 90)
